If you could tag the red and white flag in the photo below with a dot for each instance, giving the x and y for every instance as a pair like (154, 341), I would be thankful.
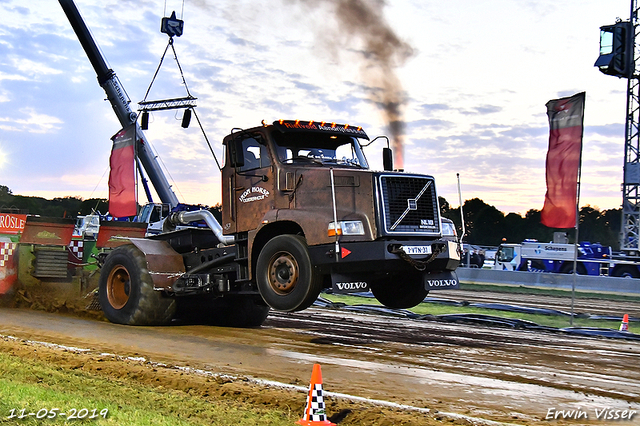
(122, 179)
(566, 116)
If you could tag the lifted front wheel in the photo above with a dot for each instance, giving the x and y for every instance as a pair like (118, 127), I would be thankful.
(285, 276)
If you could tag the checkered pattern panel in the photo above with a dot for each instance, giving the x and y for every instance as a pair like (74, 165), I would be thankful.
(76, 248)
(317, 411)
(6, 251)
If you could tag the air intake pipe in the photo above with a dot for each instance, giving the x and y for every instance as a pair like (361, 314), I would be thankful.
(184, 218)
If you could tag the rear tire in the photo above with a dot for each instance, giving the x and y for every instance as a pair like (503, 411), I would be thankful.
(399, 291)
(126, 291)
(626, 271)
(567, 268)
(286, 279)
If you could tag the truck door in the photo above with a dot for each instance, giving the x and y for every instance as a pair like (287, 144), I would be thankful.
(507, 258)
(254, 184)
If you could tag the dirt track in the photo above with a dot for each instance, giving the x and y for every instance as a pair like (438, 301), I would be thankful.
(478, 371)
(591, 305)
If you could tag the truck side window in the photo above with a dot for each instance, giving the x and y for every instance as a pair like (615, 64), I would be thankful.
(155, 214)
(255, 154)
(505, 254)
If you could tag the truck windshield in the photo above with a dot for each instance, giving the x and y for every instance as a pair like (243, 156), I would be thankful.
(319, 148)
(505, 254)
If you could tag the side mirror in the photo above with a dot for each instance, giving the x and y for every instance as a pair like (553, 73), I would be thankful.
(387, 159)
(236, 153)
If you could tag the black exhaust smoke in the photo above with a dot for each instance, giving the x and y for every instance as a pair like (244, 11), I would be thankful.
(361, 23)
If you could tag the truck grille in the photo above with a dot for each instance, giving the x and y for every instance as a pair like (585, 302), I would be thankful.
(409, 205)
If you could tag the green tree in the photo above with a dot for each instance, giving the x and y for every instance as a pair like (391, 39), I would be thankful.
(486, 225)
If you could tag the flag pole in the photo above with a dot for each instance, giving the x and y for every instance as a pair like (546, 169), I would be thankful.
(464, 231)
(576, 242)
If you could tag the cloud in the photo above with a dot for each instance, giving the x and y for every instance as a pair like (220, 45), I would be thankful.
(34, 122)
(481, 110)
(430, 108)
(608, 130)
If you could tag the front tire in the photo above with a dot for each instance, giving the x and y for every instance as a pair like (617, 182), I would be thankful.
(286, 279)
(126, 291)
(400, 291)
(626, 271)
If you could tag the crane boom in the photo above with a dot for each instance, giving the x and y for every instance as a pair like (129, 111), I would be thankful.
(120, 102)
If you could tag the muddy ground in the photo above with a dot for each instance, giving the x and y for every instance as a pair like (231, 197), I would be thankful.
(453, 370)
(238, 390)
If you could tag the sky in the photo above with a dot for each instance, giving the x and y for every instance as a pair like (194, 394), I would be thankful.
(469, 79)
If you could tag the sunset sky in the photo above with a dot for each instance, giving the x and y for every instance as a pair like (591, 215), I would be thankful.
(474, 79)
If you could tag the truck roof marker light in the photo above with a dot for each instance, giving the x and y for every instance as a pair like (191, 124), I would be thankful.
(281, 121)
(323, 123)
(333, 125)
(297, 122)
(311, 123)
(346, 126)
(264, 123)
(359, 128)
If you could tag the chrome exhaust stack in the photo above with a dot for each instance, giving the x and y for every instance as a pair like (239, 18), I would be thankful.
(184, 218)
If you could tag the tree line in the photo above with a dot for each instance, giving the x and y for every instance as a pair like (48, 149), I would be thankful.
(70, 207)
(486, 225)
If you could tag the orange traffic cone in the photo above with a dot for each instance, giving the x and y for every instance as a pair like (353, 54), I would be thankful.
(314, 412)
(624, 326)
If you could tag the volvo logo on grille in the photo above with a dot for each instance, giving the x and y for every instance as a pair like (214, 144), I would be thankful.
(412, 204)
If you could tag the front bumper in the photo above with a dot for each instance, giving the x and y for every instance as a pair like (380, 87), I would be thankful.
(379, 256)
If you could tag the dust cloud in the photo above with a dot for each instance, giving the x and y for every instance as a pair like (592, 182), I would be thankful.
(359, 26)
(362, 25)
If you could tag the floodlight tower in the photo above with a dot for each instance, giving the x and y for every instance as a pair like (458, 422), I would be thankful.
(618, 57)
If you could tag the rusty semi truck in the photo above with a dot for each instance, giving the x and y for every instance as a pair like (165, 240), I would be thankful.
(301, 212)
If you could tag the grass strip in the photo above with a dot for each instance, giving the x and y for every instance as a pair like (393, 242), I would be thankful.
(37, 387)
(513, 289)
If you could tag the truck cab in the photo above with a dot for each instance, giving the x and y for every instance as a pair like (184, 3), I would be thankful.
(361, 229)
(87, 227)
(154, 214)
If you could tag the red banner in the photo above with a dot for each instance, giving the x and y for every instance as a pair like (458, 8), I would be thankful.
(566, 117)
(122, 179)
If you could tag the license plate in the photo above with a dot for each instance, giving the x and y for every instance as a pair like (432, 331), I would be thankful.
(417, 249)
